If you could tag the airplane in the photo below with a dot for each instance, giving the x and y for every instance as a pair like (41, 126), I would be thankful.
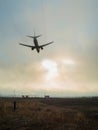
(37, 46)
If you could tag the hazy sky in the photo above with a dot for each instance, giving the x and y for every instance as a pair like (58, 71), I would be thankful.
(69, 67)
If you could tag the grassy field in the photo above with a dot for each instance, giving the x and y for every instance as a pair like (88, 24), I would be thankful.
(49, 114)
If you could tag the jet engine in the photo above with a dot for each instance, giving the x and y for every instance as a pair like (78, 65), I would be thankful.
(32, 48)
(42, 48)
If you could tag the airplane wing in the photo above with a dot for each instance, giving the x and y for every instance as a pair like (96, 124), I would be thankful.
(33, 47)
(45, 44)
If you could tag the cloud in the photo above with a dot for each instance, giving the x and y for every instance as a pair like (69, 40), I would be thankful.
(21, 77)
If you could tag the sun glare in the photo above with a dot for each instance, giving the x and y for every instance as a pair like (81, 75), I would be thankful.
(51, 68)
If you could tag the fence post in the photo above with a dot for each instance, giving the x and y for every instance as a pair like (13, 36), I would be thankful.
(14, 105)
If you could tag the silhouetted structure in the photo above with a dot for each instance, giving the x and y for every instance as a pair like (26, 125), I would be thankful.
(25, 96)
(36, 45)
(14, 104)
(46, 96)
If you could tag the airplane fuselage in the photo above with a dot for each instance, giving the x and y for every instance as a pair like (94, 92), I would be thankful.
(36, 44)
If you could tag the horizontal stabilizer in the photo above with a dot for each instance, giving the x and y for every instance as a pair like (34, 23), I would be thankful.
(30, 36)
(34, 36)
(38, 36)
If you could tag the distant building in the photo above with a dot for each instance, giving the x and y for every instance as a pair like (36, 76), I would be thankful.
(46, 96)
(25, 96)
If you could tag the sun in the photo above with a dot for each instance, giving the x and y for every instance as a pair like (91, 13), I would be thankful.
(51, 69)
(54, 72)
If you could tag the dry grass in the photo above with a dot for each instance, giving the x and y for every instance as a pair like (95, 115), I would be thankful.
(32, 114)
